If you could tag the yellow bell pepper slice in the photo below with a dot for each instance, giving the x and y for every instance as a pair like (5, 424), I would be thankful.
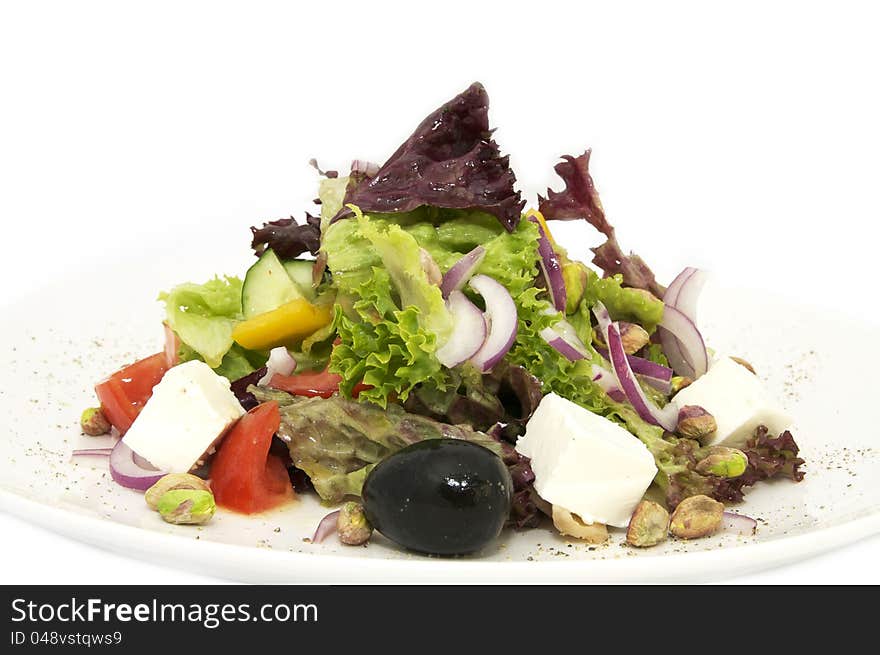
(540, 218)
(285, 326)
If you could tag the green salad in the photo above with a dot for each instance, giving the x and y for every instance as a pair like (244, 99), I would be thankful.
(424, 355)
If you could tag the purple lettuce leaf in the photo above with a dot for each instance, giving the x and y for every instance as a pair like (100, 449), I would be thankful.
(769, 457)
(288, 238)
(240, 388)
(524, 512)
(450, 161)
(580, 199)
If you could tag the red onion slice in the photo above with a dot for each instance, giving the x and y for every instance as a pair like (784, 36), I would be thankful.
(739, 524)
(279, 362)
(468, 331)
(560, 345)
(667, 417)
(657, 375)
(682, 295)
(501, 320)
(608, 383)
(326, 527)
(127, 472)
(551, 268)
(92, 452)
(563, 338)
(684, 292)
(690, 358)
(461, 271)
(674, 288)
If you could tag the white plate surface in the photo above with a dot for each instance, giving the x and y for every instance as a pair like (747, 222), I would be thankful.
(58, 342)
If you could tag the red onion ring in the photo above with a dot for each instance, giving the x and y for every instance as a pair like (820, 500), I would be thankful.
(670, 297)
(461, 271)
(92, 452)
(551, 268)
(326, 527)
(608, 383)
(691, 358)
(563, 338)
(682, 295)
(684, 292)
(468, 331)
(667, 417)
(501, 319)
(127, 472)
(738, 524)
(657, 375)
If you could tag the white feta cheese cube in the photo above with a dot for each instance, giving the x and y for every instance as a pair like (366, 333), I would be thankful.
(737, 400)
(190, 409)
(585, 463)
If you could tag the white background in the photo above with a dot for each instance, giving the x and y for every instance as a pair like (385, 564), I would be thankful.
(742, 139)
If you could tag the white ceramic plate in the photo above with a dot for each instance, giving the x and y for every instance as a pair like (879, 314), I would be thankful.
(58, 342)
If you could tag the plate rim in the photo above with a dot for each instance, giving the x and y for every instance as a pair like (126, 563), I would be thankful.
(230, 561)
(168, 549)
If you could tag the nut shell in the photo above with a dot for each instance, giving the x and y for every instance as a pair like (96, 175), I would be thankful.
(648, 526)
(186, 506)
(352, 525)
(696, 517)
(171, 482)
(696, 423)
(573, 526)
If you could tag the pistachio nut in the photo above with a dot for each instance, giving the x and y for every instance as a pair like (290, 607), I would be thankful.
(574, 274)
(573, 526)
(723, 462)
(694, 422)
(93, 422)
(633, 337)
(186, 506)
(648, 526)
(171, 482)
(744, 364)
(352, 525)
(695, 517)
(678, 383)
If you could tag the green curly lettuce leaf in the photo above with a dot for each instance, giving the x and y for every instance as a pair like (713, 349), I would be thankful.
(389, 344)
(401, 260)
(392, 316)
(623, 303)
(313, 353)
(558, 374)
(392, 353)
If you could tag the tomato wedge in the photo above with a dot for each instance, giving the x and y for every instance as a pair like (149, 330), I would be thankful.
(322, 383)
(124, 394)
(244, 476)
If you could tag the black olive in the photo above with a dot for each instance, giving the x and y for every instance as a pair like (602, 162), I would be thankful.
(439, 496)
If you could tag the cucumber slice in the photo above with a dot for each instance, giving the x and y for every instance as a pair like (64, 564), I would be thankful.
(300, 271)
(267, 286)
